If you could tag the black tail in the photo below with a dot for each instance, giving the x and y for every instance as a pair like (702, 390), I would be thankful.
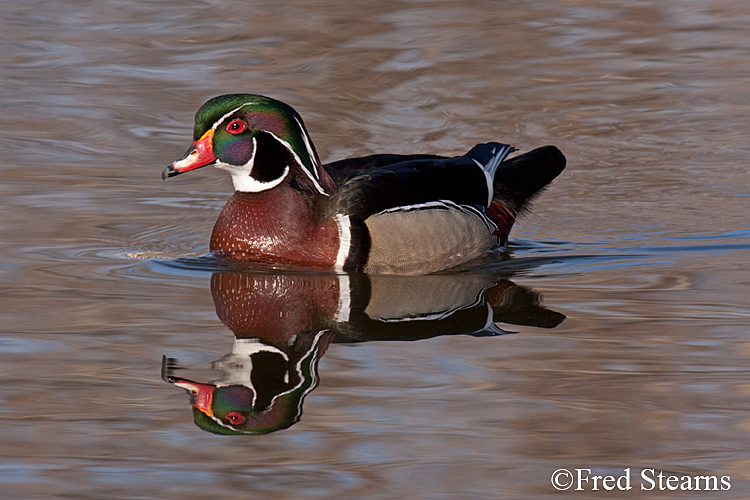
(522, 178)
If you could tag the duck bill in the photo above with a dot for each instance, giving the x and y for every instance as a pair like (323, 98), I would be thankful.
(201, 395)
(199, 155)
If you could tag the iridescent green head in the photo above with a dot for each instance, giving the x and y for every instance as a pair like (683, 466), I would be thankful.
(260, 141)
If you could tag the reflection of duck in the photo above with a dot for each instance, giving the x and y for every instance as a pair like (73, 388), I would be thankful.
(283, 323)
(382, 214)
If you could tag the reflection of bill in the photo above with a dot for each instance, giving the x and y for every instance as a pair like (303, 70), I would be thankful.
(283, 323)
(651, 479)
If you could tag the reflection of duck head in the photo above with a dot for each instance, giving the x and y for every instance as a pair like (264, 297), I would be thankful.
(283, 323)
(261, 387)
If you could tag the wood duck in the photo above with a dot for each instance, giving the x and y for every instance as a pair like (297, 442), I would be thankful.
(379, 214)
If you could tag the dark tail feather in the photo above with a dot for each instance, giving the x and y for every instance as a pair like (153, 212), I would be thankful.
(520, 179)
(490, 155)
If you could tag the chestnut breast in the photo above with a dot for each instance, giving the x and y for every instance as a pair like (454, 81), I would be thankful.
(276, 226)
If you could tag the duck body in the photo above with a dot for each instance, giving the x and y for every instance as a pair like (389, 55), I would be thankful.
(379, 214)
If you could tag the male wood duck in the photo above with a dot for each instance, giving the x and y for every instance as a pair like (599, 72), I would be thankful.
(379, 214)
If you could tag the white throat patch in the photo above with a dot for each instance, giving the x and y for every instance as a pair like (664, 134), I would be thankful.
(242, 175)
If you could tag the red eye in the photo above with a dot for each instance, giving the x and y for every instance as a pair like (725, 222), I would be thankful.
(235, 417)
(236, 126)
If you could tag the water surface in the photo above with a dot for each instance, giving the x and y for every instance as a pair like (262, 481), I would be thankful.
(642, 246)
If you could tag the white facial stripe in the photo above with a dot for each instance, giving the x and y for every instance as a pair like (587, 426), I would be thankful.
(345, 241)
(302, 165)
(309, 148)
(218, 122)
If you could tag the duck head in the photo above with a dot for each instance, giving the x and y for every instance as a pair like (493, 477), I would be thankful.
(260, 141)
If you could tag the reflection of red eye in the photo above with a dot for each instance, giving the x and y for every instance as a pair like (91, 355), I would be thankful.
(235, 417)
(236, 126)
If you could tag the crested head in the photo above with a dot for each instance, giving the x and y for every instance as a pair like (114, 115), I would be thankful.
(266, 113)
(260, 141)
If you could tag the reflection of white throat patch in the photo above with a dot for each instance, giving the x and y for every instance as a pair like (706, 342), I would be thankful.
(242, 175)
(237, 366)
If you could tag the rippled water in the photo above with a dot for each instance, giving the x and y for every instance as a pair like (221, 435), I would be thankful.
(627, 288)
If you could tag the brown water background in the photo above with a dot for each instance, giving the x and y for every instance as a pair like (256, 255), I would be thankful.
(643, 243)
